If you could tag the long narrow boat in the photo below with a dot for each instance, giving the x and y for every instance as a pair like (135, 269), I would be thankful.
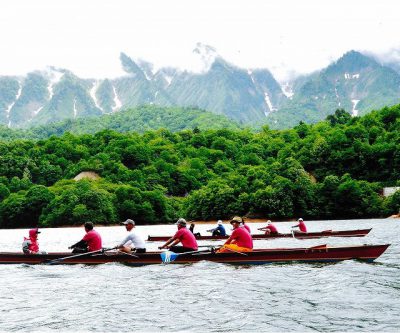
(321, 253)
(298, 235)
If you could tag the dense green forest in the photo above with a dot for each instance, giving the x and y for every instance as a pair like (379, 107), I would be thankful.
(140, 119)
(330, 170)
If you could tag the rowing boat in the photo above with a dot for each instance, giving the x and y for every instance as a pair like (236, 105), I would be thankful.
(321, 253)
(297, 234)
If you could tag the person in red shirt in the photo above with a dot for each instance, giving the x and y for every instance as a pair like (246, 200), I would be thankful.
(301, 225)
(184, 236)
(240, 240)
(270, 229)
(90, 242)
(30, 245)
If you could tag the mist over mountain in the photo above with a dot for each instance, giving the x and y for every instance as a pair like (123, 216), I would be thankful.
(356, 82)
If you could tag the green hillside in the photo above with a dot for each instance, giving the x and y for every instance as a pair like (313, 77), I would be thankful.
(333, 169)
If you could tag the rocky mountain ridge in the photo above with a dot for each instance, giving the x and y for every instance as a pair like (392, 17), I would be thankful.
(355, 82)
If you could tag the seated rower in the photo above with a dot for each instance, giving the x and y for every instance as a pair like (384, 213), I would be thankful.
(270, 229)
(90, 242)
(301, 225)
(191, 228)
(240, 240)
(184, 236)
(219, 230)
(30, 245)
(134, 242)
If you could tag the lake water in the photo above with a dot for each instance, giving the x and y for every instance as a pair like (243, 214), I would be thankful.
(204, 297)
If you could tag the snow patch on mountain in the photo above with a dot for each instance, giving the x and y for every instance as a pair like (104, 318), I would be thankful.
(337, 97)
(93, 95)
(349, 76)
(117, 101)
(54, 78)
(37, 111)
(268, 101)
(75, 110)
(287, 90)
(8, 110)
(354, 111)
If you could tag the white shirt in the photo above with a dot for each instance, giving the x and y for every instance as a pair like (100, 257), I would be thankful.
(135, 239)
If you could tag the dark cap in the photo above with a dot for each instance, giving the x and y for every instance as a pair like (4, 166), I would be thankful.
(129, 221)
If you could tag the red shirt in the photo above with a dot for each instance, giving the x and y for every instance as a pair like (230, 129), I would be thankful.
(272, 228)
(186, 238)
(242, 238)
(93, 240)
(302, 226)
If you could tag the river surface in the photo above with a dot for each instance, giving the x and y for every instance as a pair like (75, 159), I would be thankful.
(349, 296)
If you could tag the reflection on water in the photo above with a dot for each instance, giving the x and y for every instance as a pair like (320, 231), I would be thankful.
(210, 297)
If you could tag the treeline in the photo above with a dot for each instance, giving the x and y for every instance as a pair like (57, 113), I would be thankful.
(331, 170)
(139, 119)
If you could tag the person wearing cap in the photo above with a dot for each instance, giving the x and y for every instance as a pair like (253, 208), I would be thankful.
(134, 242)
(90, 242)
(270, 229)
(183, 236)
(219, 230)
(240, 240)
(301, 225)
(30, 245)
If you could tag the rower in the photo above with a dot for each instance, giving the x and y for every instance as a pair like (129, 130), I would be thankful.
(270, 229)
(301, 225)
(90, 242)
(244, 225)
(134, 242)
(240, 240)
(30, 245)
(219, 230)
(184, 236)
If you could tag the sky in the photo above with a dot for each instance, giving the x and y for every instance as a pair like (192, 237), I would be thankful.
(286, 36)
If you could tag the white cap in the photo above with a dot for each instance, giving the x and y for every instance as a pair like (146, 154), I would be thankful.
(129, 221)
(269, 221)
(219, 222)
(300, 219)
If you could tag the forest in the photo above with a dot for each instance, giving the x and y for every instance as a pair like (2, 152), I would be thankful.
(334, 169)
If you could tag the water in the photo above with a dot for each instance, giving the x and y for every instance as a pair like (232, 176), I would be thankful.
(207, 297)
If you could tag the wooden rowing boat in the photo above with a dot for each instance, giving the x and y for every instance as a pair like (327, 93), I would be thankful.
(321, 253)
(298, 235)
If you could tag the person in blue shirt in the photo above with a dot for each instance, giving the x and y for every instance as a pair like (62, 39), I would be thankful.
(219, 230)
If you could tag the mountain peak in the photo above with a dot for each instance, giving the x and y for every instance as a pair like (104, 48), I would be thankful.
(129, 65)
(206, 55)
(352, 61)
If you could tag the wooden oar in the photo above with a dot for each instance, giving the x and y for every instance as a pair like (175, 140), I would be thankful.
(54, 261)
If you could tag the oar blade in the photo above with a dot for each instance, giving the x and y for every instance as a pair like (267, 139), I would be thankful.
(168, 256)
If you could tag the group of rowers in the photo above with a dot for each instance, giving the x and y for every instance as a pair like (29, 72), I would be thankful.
(239, 241)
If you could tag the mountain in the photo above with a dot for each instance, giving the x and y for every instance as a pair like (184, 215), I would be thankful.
(355, 82)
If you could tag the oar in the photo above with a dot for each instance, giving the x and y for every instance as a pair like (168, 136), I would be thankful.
(169, 256)
(54, 261)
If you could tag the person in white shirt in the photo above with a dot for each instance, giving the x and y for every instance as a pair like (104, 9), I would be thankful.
(133, 242)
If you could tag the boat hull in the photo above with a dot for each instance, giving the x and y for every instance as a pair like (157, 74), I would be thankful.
(320, 253)
(298, 235)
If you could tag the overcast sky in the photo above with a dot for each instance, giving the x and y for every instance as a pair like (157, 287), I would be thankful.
(285, 36)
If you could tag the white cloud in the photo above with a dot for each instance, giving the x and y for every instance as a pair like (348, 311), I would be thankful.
(282, 35)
